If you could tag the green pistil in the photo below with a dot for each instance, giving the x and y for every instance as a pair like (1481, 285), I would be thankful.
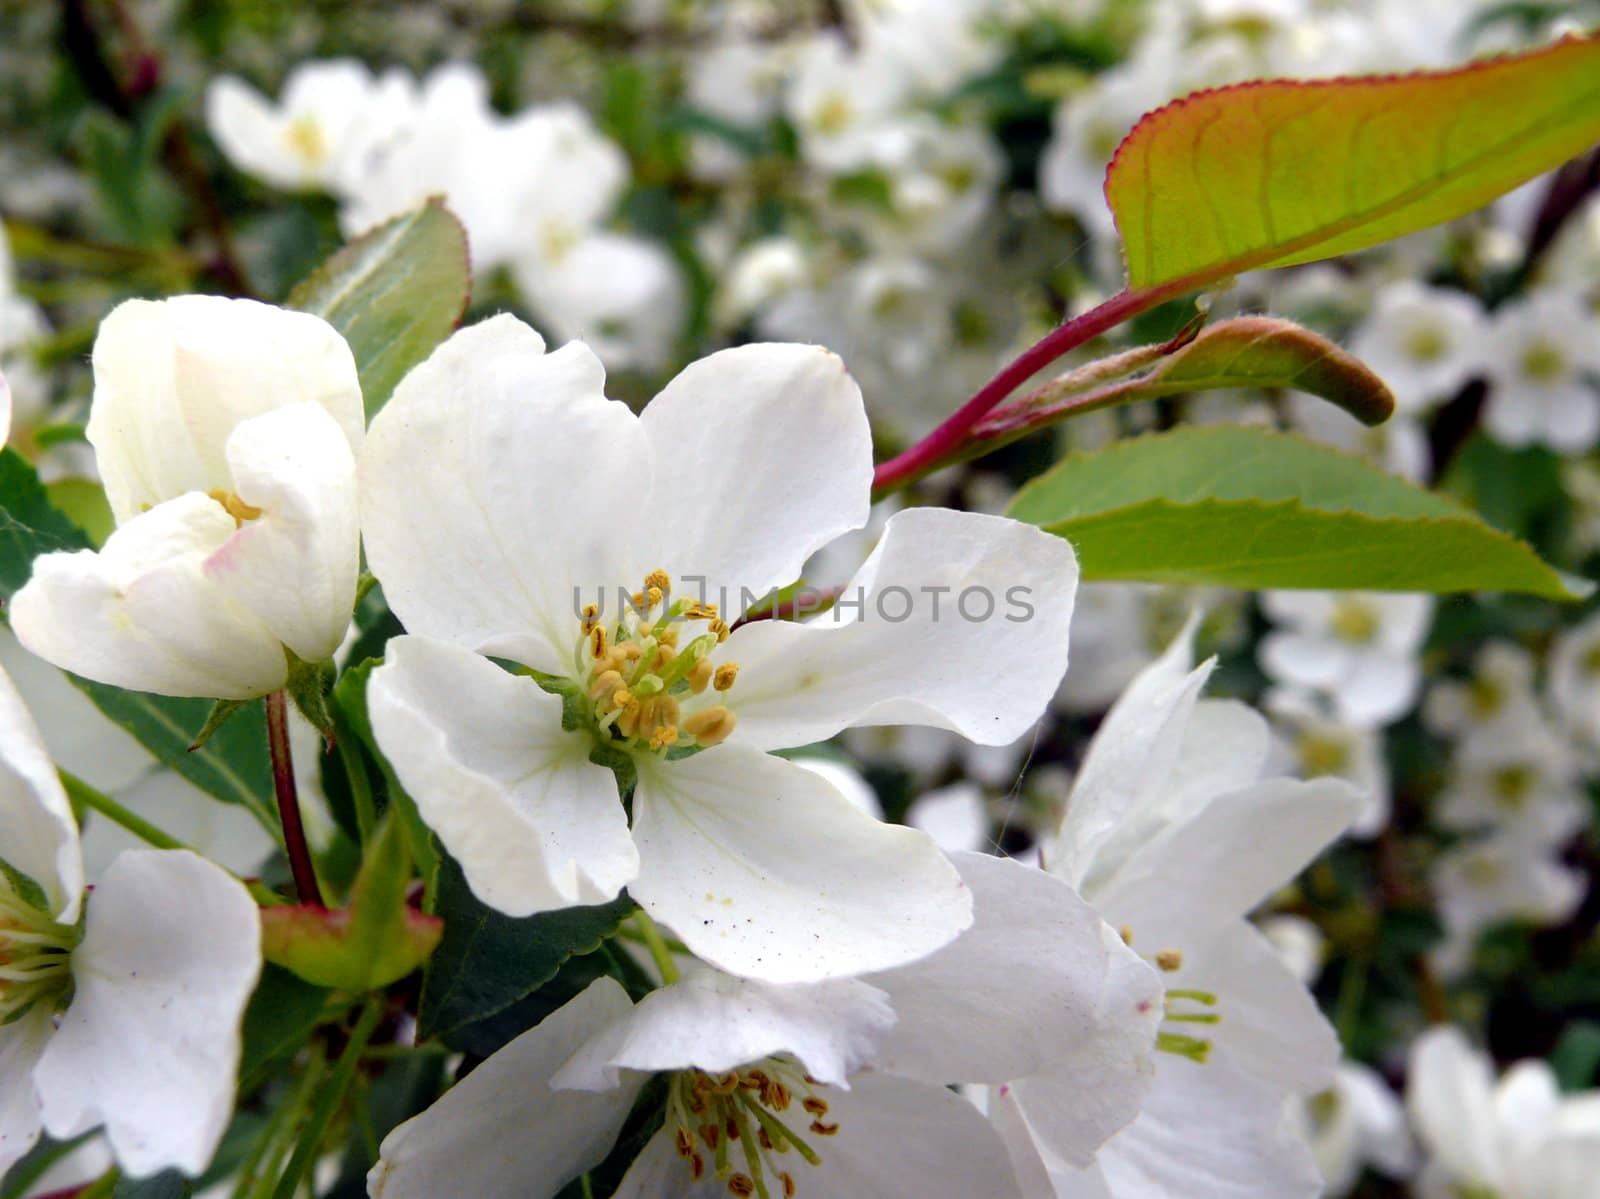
(1192, 1048)
(779, 1133)
(752, 1150)
(35, 957)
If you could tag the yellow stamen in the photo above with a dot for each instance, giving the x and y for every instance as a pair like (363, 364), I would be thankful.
(234, 506)
(710, 726)
(725, 675)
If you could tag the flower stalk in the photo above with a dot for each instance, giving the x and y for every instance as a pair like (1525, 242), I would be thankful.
(294, 832)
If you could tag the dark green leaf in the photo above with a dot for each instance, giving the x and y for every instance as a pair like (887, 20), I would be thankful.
(169, 1184)
(489, 961)
(281, 1014)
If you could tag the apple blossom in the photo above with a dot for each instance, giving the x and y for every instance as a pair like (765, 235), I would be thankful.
(332, 117)
(120, 1008)
(1359, 648)
(1515, 1138)
(1424, 342)
(224, 431)
(1355, 1123)
(1574, 685)
(1173, 835)
(831, 1088)
(1538, 352)
(505, 500)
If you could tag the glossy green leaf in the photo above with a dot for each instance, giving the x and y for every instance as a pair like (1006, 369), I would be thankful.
(233, 766)
(377, 940)
(1279, 172)
(1251, 508)
(489, 961)
(395, 293)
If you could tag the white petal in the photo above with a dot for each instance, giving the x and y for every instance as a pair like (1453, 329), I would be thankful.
(38, 834)
(1232, 855)
(501, 1132)
(1271, 1027)
(150, 1046)
(1303, 659)
(957, 620)
(1381, 689)
(897, 1139)
(1070, 1120)
(142, 614)
(766, 871)
(295, 565)
(1130, 760)
(1451, 1101)
(954, 816)
(846, 780)
(496, 485)
(22, 1043)
(762, 455)
(1209, 1132)
(715, 1022)
(174, 377)
(511, 794)
(1013, 995)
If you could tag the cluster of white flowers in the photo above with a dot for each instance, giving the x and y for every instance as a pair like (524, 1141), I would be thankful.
(834, 973)
(534, 190)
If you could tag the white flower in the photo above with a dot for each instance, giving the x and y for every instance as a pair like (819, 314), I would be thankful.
(1424, 342)
(1515, 1139)
(1512, 874)
(1356, 1123)
(1357, 647)
(1172, 834)
(1498, 699)
(504, 496)
(623, 296)
(759, 274)
(850, 1074)
(1520, 774)
(1539, 350)
(1574, 685)
(1314, 744)
(148, 1042)
(224, 431)
(536, 182)
(1399, 445)
(331, 118)
(837, 99)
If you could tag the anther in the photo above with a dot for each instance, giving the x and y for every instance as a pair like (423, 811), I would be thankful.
(725, 675)
(742, 1185)
(787, 1180)
(817, 1107)
(823, 1130)
(1170, 960)
(710, 726)
(659, 580)
(699, 676)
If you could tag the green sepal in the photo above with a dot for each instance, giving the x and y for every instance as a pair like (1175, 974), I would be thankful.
(308, 686)
(377, 940)
(218, 716)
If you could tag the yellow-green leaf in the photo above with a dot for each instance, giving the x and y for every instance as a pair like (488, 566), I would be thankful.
(1279, 172)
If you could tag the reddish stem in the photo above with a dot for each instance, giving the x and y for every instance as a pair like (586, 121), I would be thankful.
(294, 831)
(945, 441)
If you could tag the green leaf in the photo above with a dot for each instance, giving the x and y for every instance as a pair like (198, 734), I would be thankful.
(395, 293)
(489, 961)
(169, 1184)
(1279, 172)
(1251, 351)
(349, 703)
(25, 887)
(377, 940)
(282, 1012)
(1251, 508)
(233, 766)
